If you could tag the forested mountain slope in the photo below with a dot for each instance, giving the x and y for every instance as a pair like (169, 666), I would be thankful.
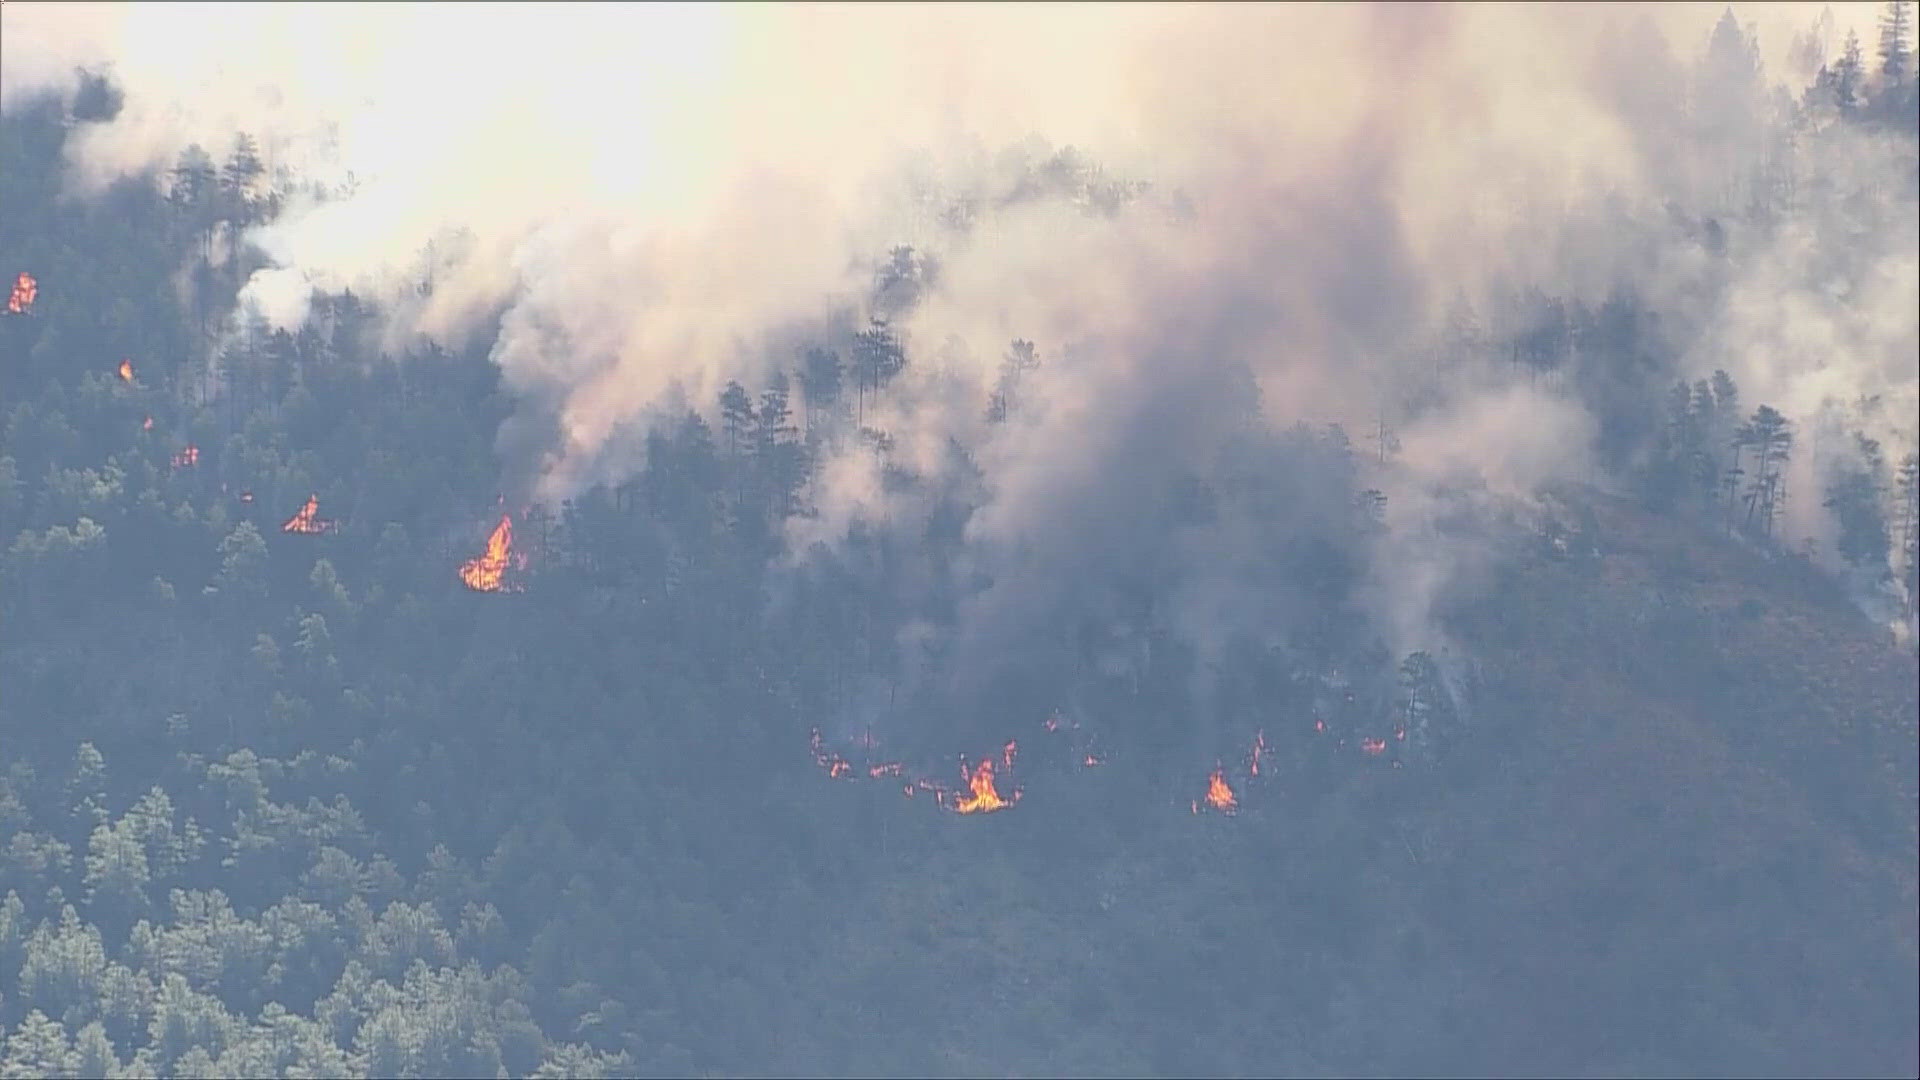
(333, 743)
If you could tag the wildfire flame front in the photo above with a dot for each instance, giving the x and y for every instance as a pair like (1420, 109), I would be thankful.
(984, 798)
(483, 574)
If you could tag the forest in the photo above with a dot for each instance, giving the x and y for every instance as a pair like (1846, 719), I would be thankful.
(335, 740)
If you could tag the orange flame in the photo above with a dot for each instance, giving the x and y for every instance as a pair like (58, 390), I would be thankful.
(1219, 795)
(1259, 750)
(483, 574)
(126, 371)
(24, 290)
(188, 458)
(306, 521)
(985, 798)
(839, 769)
(1372, 745)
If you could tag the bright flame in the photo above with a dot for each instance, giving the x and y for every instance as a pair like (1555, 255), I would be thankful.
(24, 290)
(1259, 750)
(188, 458)
(126, 371)
(483, 574)
(1219, 795)
(307, 520)
(985, 798)
(1372, 745)
(246, 496)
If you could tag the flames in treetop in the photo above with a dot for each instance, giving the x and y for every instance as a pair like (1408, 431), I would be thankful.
(307, 520)
(983, 797)
(484, 574)
(188, 458)
(126, 371)
(24, 290)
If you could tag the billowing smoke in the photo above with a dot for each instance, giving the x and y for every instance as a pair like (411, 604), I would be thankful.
(1294, 208)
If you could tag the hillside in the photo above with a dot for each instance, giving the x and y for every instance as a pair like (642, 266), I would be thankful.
(1702, 774)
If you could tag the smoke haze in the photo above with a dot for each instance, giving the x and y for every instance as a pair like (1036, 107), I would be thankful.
(648, 201)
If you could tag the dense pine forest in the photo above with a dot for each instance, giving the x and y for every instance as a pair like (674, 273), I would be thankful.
(334, 742)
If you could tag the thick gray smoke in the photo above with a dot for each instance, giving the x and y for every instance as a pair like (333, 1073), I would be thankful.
(653, 200)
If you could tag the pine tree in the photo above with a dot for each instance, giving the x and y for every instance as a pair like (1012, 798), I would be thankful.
(1896, 57)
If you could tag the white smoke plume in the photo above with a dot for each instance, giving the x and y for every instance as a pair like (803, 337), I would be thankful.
(649, 200)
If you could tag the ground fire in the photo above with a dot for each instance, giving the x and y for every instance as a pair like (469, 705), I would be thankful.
(126, 371)
(1219, 795)
(984, 797)
(188, 458)
(308, 520)
(24, 290)
(485, 573)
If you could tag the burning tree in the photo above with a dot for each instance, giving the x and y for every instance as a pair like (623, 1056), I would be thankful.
(24, 290)
(486, 572)
(1219, 794)
(983, 797)
(308, 520)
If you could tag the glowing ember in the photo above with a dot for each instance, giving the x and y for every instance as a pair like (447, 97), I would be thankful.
(246, 496)
(483, 574)
(126, 371)
(1320, 726)
(1219, 795)
(1259, 750)
(1091, 761)
(1053, 722)
(891, 768)
(147, 424)
(308, 519)
(24, 290)
(1400, 734)
(1372, 745)
(1007, 752)
(985, 798)
(839, 769)
(188, 458)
